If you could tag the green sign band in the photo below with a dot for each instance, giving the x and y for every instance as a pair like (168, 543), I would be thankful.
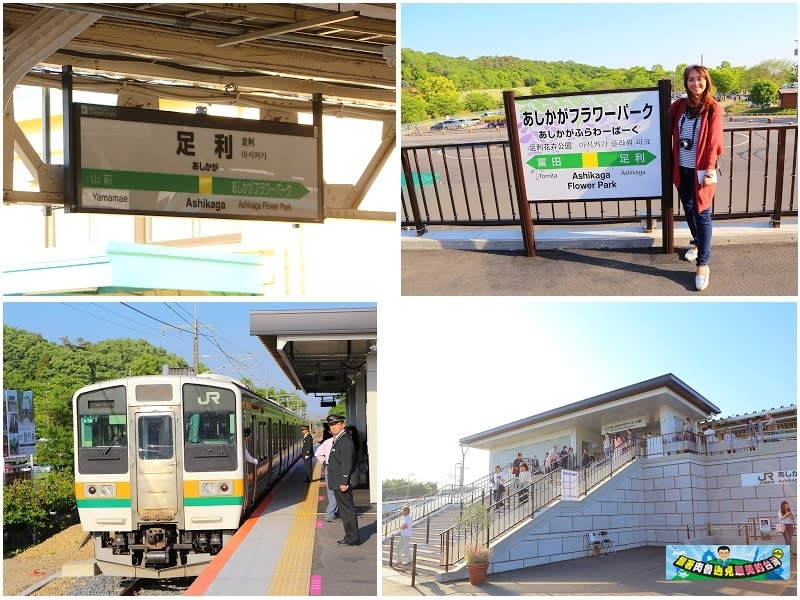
(591, 160)
(191, 184)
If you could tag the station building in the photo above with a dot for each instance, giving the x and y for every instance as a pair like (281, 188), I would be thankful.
(673, 489)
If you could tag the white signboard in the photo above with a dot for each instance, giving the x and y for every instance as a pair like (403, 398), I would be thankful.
(769, 478)
(135, 161)
(591, 146)
(633, 423)
(569, 485)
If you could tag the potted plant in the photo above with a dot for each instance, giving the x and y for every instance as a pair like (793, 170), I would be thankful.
(477, 563)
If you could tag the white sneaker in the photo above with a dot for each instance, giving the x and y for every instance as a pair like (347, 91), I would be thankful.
(691, 254)
(701, 281)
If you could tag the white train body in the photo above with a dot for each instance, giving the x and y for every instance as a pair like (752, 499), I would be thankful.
(160, 477)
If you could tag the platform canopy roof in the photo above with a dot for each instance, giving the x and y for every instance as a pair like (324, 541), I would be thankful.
(260, 54)
(642, 399)
(319, 350)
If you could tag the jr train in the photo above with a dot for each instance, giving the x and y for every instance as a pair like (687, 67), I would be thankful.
(161, 482)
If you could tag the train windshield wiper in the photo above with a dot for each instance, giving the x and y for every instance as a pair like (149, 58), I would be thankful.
(113, 443)
(196, 439)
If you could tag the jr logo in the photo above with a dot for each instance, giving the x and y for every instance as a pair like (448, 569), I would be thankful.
(210, 397)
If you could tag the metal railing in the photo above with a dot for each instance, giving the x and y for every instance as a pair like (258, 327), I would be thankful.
(486, 520)
(725, 441)
(472, 183)
(448, 495)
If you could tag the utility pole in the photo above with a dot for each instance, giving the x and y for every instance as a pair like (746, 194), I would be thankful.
(195, 328)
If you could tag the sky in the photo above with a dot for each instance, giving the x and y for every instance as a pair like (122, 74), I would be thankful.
(471, 364)
(166, 325)
(619, 35)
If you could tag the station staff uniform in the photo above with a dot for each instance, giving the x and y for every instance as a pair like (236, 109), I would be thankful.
(341, 462)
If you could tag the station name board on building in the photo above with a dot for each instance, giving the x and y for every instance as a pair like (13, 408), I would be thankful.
(769, 478)
(590, 146)
(150, 162)
(633, 423)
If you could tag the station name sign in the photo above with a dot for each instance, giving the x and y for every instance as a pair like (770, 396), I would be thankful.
(150, 162)
(590, 146)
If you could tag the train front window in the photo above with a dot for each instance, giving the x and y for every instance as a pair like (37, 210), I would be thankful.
(155, 437)
(209, 428)
(102, 431)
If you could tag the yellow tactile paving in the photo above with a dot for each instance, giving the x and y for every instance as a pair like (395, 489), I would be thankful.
(293, 571)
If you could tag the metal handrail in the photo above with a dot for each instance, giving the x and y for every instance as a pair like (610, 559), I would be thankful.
(463, 195)
(448, 495)
(493, 519)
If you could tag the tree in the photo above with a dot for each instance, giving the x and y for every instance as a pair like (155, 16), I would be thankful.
(413, 107)
(441, 96)
(763, 93)
(477, 101)
(725, 79)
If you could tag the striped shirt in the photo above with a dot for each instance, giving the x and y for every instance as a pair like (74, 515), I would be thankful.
(689, 128)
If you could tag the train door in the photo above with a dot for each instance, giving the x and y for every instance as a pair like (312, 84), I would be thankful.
(156, 470)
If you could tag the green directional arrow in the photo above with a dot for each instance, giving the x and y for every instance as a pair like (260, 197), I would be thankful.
(259, 188)
(193, 184)
(591, 160)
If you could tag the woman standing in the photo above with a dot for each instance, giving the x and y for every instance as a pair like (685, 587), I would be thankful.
(786, 518)
(524, 483)
(696, 146)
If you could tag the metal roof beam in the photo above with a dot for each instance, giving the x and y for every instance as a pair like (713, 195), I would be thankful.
(288, 28)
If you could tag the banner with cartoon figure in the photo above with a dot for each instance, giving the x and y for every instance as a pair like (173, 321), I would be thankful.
(764, 561)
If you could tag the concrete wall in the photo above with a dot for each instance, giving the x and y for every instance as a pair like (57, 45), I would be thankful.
(650, 503)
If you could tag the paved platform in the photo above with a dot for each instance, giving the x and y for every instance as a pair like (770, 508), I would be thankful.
(747, 260)
(286, 548)
(638, 572)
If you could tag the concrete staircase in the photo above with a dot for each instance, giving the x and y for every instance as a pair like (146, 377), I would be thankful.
(427, 551)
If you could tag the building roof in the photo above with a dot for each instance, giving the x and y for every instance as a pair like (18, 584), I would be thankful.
(590, 405)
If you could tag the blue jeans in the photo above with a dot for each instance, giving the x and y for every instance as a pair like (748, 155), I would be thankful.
(699, 222)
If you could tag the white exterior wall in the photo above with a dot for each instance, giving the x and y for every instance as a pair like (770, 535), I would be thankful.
(650, 503)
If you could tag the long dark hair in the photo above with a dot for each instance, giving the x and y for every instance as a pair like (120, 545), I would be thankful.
(697, 106)
(783, 512)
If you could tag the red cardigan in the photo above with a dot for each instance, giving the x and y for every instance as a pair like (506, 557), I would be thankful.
(709, 149)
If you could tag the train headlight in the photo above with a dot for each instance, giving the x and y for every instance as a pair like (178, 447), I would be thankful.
(216, 488)
(106, 490)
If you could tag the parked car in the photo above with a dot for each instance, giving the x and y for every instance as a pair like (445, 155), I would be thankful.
(473, 122)
(454, 124)
(437, 127)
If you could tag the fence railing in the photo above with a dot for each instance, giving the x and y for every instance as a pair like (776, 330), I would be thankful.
(486, 519)
(472, 183)
(448, 495)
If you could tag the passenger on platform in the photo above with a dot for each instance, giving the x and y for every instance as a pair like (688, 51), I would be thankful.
(571, 461)
(770, 427)
(696, 148)
(341, 463)
(562, 458)
(729, 438)
(535, 467)
(524, 483)
(618, 441)
(308, 453)
(587, 459)
(711, 439)
(607, 445)
(498, 486)
(406, 525)
(246, 438)
(688, 430)
(631, 438)
(322, 453)
(751, 433)
(786, 523)
(515, 465)
(326, 431)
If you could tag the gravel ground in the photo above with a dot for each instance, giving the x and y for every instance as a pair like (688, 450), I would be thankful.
(37, 563)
